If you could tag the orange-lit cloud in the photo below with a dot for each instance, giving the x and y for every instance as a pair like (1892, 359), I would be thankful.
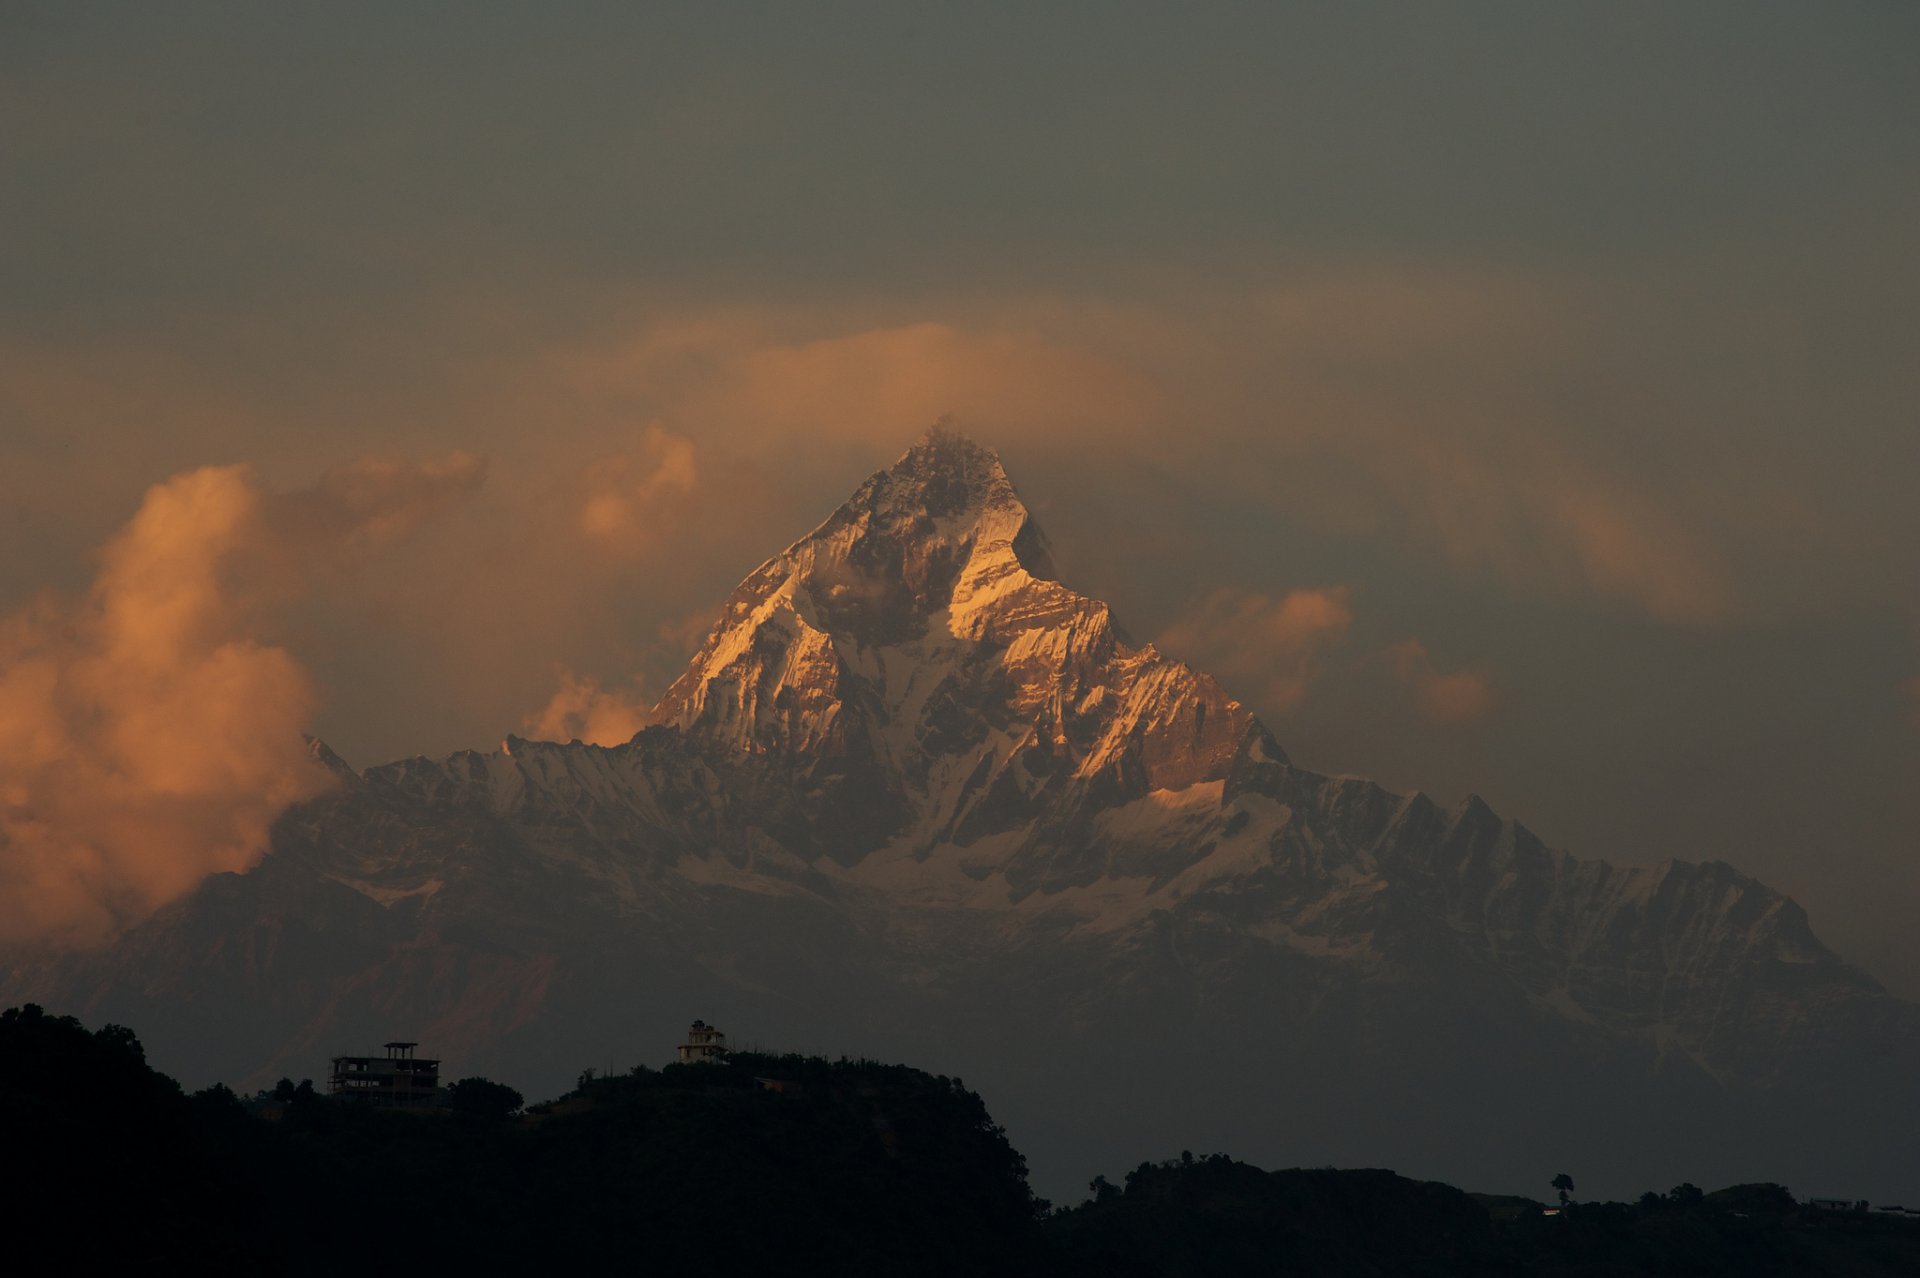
(1430, 408)
(648, 462)
(756, 377)
(148, 735)
(360, 506)
(632, 497)
(582, 710)
(587, 709)
(1264, 650)
(680, 637)
(1547, 525)
(1444, 698)
(1378, 403)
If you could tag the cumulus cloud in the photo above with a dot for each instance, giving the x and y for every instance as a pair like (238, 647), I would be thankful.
(582, 710)
(1444, 698)
(585, 708)
(631, 497)
(148, 735)
(1263, 649)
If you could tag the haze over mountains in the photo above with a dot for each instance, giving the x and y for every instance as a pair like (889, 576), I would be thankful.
(916, 798)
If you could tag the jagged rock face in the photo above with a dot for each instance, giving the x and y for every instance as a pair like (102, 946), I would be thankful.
(916, 797)
(915, 655)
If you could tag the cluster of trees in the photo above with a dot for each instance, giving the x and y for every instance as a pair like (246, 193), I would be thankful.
(1763, 1200)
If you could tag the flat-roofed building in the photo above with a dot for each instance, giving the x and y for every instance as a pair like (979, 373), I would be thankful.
(399, 1078)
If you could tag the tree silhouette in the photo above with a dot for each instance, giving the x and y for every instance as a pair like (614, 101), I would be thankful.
(484, 1098)
(123, 1038)
(1563, 1185)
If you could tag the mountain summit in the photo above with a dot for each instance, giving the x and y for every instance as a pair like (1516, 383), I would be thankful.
(915, 651)
(915, 797)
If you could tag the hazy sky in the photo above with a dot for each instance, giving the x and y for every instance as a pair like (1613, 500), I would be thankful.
(1503, 398)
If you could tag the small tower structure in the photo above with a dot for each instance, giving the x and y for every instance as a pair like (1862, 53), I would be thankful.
(704, 1043)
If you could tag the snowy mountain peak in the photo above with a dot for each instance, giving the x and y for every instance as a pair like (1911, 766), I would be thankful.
(920, 554)
(918, 645)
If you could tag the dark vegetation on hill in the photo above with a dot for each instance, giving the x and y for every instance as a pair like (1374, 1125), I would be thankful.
(1197, 1218)
(848, 1166)
(852, 1167)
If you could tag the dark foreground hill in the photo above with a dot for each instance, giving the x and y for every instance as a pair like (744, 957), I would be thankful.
(851, 1166)
(758, 1164)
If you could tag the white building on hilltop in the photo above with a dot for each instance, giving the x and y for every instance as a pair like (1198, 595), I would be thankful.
(704, 1043)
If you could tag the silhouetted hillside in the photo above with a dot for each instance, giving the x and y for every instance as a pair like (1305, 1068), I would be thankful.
(757, 1164)
(849, 1165)
(1214, 1216)
(707, 1168)
(105, 1159)
(1218, 1216)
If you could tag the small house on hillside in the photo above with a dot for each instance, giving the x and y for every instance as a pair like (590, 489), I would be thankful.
(704, 1043)
(399, 1078)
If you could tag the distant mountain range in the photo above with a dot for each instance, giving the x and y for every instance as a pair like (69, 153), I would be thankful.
(914, 797)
